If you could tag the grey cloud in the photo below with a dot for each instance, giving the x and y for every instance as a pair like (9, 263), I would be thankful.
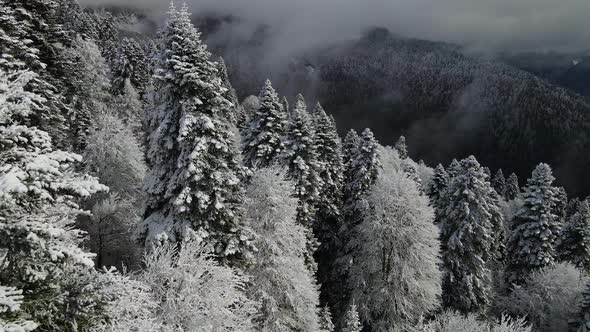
(520, 25)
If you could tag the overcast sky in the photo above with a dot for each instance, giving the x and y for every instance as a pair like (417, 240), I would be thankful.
(539, 25)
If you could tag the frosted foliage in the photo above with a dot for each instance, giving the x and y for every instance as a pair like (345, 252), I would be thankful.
(193, 185)
(10, 302)
(31, 172)
(131, 305)
(114, 155)
(38, 188)
(455, 322)
(194, 292)
(280, 279)
(397, 248)
(549, 298)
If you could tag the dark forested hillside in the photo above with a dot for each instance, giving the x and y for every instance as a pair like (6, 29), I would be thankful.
(447, 104)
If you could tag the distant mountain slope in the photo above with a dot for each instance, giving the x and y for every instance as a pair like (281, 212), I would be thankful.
(449, 105)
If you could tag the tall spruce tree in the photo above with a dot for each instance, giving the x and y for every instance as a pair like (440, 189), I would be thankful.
(302, 161)
(350, 148)
(535, 228)
(454, 169)
(361, 174)
(576, 238)
(329, 151)
(193, 187)
(438, 185)
(499, 183)
(402, 148)
(470, 217)
(512, 187)
(263, 138)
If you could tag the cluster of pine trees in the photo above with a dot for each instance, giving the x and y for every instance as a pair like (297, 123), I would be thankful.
(137, 194)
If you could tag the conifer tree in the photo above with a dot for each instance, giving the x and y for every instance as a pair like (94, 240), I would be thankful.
(512, 187)
(326, 323)
(362, 171)
(470, 219)
(39, 190)
(27, 41)
(454, 169)
(350, 148)
(576, 238)
(237, 114)
(302, 161)
(263, 138)
(130, 64)
(352, 322)
(329, 151)
(535, 229)
(402, 148)
(439, 184)
(499, 183)
(193, 184)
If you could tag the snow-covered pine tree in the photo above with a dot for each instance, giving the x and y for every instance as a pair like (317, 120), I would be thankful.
(560, 203)
(25, 34)
(512, 187)
(263, 137)
(350, 148)
(237, 114)
(130, 63)
(471, 224)
(535, 228)
(583, 323)
(108, 35)
(361, 174)
(401, 147)
(352, 322)
(326, 323)
(438, 185)
(329, 151)
(454, 169)
(302, 161)
(280, 279)
(576, 238)
(192, 184)
(395, 248)
(39, 189)
(499, 183)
